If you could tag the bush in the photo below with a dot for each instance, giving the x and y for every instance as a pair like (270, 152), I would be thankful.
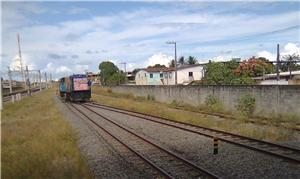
(109, 90)
(210, 101)
(246, 105)
(150, 98)
(176, 103)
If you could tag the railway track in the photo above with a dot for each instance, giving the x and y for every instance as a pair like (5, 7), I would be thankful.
(166, 162)
(7, 97)
(273, 149)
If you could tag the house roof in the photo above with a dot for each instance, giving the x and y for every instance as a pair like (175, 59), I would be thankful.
(189, 66)
(273, 75)
(164, 69)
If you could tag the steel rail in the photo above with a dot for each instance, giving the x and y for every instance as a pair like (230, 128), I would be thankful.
(186, 161)
(222, 133)
(162, 171)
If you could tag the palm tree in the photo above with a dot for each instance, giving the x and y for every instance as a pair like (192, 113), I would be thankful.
(290, 62)
(181, 60)
(172, 63)
(192, 60)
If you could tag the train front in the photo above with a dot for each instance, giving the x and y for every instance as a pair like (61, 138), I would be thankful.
(81, 88)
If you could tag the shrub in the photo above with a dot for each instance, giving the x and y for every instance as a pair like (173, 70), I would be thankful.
(246, 105)
(109, 90)
(176, 103)
(210, 101)
(150, 98)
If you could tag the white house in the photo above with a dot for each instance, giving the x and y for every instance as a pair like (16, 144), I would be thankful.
(166, 76)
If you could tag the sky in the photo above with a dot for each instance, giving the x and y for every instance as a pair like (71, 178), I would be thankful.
(63, 38)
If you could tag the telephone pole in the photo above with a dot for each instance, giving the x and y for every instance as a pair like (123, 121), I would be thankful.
(46, 81)
(278, 63)
(28, 81)
(10, 80)
(124, 63)
(173, 42)
(40, 80)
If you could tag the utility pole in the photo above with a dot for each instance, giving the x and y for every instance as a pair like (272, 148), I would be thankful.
(1, 105)
(28, 82)
(40, 80)
(278, 63)
(173, 42)
(10, 80)
(21, 63)
(46, 82)
(50, 80)
(124, 63)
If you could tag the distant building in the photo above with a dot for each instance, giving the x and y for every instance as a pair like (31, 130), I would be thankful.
(166, 76)
(285, 79)
(95, 78)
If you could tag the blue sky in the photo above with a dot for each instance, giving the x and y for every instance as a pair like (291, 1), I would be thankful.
(70, 37)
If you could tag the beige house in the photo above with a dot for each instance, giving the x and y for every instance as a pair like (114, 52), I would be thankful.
(166, 76)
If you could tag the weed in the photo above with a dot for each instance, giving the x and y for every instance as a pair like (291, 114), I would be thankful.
(246, 105)
(109, 90)
(37, 142)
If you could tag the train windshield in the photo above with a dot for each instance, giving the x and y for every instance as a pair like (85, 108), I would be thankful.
(80, 84)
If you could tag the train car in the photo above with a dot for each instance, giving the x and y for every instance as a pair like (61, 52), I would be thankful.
(62, 87)
(75, 88)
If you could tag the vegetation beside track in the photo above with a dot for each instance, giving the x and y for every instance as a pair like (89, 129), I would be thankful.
(37, 142)
(188, 114)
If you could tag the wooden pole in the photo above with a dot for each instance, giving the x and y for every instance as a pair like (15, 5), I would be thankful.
(40, 80)
(10, 80)
(1, 102)
(28, 82)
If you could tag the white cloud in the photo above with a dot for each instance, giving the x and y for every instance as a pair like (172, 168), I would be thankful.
(77, 10)
(268, 55)
(291, 48)
(159, 58)
(63, 69)
(288, 49)
(15, 63)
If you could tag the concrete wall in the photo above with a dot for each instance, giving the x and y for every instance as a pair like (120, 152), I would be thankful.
(270, 100)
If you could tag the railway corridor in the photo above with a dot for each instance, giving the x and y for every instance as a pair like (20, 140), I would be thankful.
(191, 154)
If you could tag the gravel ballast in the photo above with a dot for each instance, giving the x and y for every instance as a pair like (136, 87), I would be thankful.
(106, 159)
(231, 162)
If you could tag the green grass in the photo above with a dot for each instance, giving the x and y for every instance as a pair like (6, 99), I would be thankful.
(186, 113)
(37, 142)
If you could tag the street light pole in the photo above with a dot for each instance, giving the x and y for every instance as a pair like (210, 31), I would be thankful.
(173, 42)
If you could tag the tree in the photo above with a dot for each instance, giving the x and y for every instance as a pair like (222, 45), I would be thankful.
(290, 63)
(157, 66)
(220, 73)
(181, 60)
(254, 67)
(108, 73)
(191, 60)
(172, 63)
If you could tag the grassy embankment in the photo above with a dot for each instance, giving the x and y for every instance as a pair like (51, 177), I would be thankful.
(266, 131)
(37, 142)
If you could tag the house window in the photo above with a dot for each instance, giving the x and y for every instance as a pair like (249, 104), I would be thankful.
(151, 75)
(161, 75)
(145, 75)
(190, 74)
(170, 75)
